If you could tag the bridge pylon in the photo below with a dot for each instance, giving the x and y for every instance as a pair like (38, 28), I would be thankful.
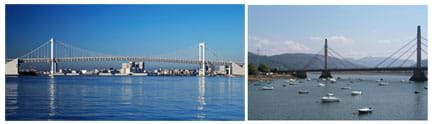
(202, 69)
(418, 74)
(325, 73)
(52, 60)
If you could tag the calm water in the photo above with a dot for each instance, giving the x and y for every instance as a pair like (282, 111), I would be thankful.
(124, 98)
(395, 101)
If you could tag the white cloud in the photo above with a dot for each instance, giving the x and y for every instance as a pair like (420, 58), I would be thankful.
(316, 38)
(271, 47)
(338, 39)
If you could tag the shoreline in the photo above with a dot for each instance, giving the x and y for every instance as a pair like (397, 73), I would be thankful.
(268, 77)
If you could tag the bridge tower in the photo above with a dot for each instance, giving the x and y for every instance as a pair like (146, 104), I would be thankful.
(52, 60)
(325, 73)
(202, 69)
(418, 75)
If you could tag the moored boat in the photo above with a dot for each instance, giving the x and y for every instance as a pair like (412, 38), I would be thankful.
(329, 98)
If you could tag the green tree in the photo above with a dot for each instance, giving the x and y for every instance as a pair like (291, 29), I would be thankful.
(263, 68)
(252, 70)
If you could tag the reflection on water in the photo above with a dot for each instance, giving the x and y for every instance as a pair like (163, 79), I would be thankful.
(124, 98)
(201, 97)
(52, 97)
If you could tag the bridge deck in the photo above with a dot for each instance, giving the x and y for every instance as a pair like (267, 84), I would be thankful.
(146, 59)
(359, 69)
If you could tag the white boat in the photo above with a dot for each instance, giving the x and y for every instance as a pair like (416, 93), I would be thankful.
(329, 98)
(303, 92)
(383, 84)
(346, 88)
(292, 83)
(308, 79)
(356, 92)
(321, 85)
(380, 80)
(323, 79)
(267, 88)
(332, 80)
(365, 110)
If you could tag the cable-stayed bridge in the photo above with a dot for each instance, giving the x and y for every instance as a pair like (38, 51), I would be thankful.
(54, 52)
(407, 51)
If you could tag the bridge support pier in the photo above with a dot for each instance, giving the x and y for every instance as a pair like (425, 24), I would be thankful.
(325, 74)
(418, 76)
(300, 74)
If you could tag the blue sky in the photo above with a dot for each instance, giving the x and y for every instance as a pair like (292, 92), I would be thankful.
(127, 30)
(354, 31)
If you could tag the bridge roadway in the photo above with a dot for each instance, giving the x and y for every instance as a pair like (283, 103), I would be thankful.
(119, 58)
(359, 69)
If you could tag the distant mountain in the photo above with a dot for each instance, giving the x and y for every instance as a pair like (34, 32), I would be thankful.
(290, 61)
(298, 61)
(374, 61)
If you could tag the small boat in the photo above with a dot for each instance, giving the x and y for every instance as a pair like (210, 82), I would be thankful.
(365, 110)
(332, 80)
(356, 93)
(383, 84)
(346, 88)
(308, 79)
(425, 87)
(416, 92)
(284, 85)
(329, 98)
(287, 81)
(303, 92)
(292, 83)
(267, 88)
(323, 79)
(321, 85)
(380, 80)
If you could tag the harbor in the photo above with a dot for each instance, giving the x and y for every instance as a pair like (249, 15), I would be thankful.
(350, 99)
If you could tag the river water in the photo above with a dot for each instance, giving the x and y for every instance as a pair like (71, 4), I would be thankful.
(124, 98)
(396, 101)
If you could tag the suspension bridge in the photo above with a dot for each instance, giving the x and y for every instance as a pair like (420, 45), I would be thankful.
(54, 52)
(411, 47)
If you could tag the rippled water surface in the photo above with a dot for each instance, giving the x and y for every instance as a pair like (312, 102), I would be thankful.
(124, 98)
(394, 101)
